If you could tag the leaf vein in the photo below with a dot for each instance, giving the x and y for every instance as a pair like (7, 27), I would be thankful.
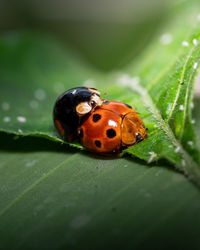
(191, 168)
(179, 86)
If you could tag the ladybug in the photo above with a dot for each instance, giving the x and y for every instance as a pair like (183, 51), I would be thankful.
(111, 127)
(71, 107)
(99, 125)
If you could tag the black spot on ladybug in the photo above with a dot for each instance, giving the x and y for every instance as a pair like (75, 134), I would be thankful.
(111, 133)
(138, 136)
(144, 127)
(127, 105)
(98, 143)
(96, 117)
(106, 102)
(81, 133)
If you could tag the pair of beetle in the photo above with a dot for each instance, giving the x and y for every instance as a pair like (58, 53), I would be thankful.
(99, 125)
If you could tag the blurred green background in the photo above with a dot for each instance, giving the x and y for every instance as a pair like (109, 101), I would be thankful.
(107, 33)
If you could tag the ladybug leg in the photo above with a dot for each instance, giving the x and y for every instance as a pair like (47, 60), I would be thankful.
(119, 152)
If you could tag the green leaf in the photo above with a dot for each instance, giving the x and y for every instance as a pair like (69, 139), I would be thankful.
(196, 114)
(56, 198)
(35, 69)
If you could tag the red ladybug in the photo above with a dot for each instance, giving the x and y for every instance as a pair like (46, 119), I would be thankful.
(99, 125)
(112, 127)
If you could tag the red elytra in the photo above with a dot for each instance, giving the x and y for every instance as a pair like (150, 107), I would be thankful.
(112, 127)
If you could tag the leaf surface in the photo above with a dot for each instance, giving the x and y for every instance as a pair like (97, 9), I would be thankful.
(56, 198)
(35, 69)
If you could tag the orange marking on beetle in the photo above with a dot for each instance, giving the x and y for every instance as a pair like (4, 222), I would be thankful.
(60, 128)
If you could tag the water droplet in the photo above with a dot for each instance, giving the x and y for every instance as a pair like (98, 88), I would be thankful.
(40, 94)
(31, 163)
(21, 119)
(34, 104)
(166, 39)
(190, 143)
(193, 121)
(192, 105)
(181, 107)
(195, 65)
(169, 107)
(5, 106)
(6, 119)
(185, 44)
(195, 42)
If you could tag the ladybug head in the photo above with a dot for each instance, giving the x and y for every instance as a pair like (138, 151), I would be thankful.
(74, 104)
(86, 101)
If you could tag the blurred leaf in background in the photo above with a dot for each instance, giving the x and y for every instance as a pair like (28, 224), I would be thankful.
(107, 33)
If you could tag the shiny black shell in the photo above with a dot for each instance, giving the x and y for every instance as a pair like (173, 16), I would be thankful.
(64, 112)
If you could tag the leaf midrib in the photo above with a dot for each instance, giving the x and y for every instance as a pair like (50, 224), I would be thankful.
(186, 103)
(191, 168)
(179, 87)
